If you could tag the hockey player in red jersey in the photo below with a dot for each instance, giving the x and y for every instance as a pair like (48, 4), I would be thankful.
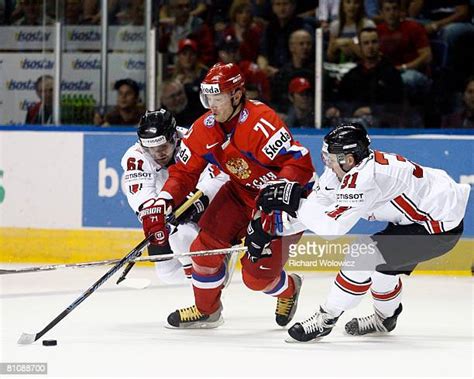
(248, 141)
(424, 209)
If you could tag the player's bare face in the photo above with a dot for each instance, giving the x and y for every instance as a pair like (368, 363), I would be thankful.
(161, 154)
(221, 106)
(340, 169)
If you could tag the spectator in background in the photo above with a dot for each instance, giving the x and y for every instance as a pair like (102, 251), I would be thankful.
(33, 14)
(449, 21)
(372, 89)
(343, 44)
(228, 52)
(130, 12)
(74, 13)
(174, 99)
(188, 70)
(92, 11)
(185, 25)
(198, 9)
(328, 11)
(301, 111)
(274, 52)
(405, 44)
(42, 112)
(128, 110)
(243, 27)
(301, 64)
(465, 117)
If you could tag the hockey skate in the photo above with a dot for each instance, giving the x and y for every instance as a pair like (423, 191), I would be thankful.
(318, 325)
(375, 323)
(286, 306)
(192, 318)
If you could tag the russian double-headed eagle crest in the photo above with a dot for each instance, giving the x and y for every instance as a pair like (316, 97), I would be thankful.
(239, 167)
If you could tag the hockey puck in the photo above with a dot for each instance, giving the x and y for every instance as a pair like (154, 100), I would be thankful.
(50, 342)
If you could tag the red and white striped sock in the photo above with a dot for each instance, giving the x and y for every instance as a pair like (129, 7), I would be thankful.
(386, 292)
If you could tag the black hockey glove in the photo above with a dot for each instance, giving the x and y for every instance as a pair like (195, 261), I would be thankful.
(257, 241)
(160, 250)
(194, 212)
(284, 196)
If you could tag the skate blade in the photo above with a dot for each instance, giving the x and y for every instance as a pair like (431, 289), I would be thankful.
(292, 340)
(202, 325)
(133, 283)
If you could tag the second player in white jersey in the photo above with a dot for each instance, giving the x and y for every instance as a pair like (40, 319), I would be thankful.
(423, 206)
(145, 166)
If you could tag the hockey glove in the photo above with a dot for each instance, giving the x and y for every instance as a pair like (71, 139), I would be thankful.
(284, 196)
(153, 218)
(257, 241)
(194, 212)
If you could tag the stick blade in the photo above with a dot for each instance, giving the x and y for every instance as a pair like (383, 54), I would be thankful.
(138, 284)
(26, 339)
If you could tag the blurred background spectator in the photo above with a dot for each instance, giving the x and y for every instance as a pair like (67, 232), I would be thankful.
(175, 99)
(406, 45)
(274, 50)
(184, 25)
(343, 31)
(328, 11)
(464, 118)
(128, 110)
(42, 111)
(255, 78)
(32, 13)
(245, 29)
(373, 89)
(188, 70)
(301, 63)
(301, 112)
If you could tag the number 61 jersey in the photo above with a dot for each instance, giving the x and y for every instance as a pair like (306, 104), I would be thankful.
(385, 187)
(253, 148)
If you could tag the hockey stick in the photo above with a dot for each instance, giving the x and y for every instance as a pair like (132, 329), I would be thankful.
(176, 215)
(28, 338)
(153, 258)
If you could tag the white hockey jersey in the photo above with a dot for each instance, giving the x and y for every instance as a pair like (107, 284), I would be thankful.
(385, 187)
(143, 178)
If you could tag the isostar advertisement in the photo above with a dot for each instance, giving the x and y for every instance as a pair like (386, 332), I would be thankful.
(80, 73)
(127, 38)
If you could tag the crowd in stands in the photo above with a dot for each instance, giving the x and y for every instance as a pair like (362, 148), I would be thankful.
(388, 63)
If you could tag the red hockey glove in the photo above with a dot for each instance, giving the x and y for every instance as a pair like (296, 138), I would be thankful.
(153, 217)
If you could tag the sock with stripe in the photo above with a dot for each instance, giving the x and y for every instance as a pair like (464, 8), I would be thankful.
(386, 292)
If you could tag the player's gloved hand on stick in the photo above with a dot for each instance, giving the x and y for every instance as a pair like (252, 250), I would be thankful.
(153, 218)
(194, 212)
(282, 195)
(257, 240)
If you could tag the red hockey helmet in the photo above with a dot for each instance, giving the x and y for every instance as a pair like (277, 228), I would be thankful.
(221, 78)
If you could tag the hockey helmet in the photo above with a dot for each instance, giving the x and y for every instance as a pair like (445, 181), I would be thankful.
(221, 78)
(156, 128)
(350, 138)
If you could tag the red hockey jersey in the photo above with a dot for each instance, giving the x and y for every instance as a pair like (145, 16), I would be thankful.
(252, 148)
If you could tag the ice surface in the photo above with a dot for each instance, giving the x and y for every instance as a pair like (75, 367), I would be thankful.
(120, 332)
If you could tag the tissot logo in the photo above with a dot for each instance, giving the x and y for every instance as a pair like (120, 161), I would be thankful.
(38, 36)
(36, 64)
(86, 64)
(350, 196)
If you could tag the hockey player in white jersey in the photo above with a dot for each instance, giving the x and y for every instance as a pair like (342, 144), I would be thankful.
(423, 206)
(145, 166)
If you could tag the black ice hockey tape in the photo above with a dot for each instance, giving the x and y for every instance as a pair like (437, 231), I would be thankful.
(50, 342)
